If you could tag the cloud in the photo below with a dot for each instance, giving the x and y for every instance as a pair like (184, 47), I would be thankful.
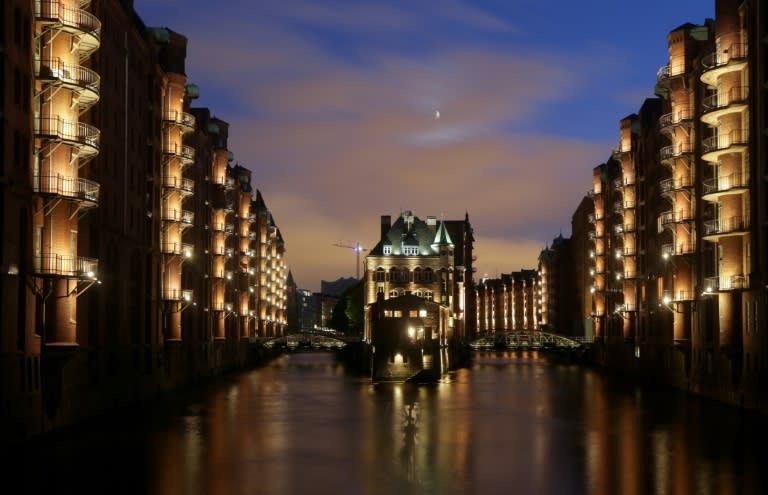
(334, 141)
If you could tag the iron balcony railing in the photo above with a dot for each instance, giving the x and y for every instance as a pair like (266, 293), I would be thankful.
(736, 180)
(675, 184)
(186, 153)
(716, 143)
(620, 149)
(674, 151)
(676, 117)
(183, 119)
(724, 99)
(73, 74)
(677, 249)
(54, 11)
(72, 132)
(181, 183)
(678, 216)
(738, 223)
(56, 265)
(724, 56)
(175, 294)
(177, 248)
(668, 71)
(174, 215)
(726, 282)
(68, 187)
(677, 295)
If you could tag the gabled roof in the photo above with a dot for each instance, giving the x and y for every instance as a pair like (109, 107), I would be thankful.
(415, 232)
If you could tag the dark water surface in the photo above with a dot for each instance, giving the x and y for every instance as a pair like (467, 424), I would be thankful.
(512, 423)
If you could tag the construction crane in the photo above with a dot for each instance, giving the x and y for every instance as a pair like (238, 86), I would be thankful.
(357, 249)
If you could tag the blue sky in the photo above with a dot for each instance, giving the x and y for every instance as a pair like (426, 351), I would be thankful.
(332, 106)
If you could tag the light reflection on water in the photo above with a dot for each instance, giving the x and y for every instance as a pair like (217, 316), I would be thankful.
(512, 424)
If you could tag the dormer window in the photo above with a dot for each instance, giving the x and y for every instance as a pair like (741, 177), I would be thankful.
(411, 250)
(387, 250)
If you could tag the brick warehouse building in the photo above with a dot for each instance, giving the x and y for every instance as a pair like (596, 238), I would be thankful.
(678, 229)
(135, 255)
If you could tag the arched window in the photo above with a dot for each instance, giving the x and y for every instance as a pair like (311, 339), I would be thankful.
(393, 293)
(428, 276)
(417, 274)
(380, 275)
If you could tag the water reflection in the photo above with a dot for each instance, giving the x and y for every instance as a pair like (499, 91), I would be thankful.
(512, 423)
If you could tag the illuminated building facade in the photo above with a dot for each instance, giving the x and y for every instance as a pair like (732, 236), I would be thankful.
(509, 303)
(679, 224)
(417, 263)
(110, 190)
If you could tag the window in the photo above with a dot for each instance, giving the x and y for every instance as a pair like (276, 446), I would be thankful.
(411, 250)
(387, 250)
(393, 293)
(413, 313)
(379, 275)
(422, 313)
(397, 313)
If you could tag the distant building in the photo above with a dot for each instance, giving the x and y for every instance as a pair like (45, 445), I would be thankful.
(557, 295)
(421, 258)
(337, 287)
(418, 279)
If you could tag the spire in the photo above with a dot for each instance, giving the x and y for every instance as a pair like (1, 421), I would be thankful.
(442, 237)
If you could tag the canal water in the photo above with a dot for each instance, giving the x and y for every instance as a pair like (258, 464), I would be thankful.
(510, 423)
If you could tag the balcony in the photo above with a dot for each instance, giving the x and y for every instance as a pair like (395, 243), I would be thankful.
(722, 227)
(182, 185)
(58, 266)
(732, 142)
(629, 251)
(78, 134)
(77, 22)
(677, 296)
(671, 217)
(184, 120)
(630, 274)
(722, 103)
(83, 191)
(727, 184)
(629, 227)
(177, 295)
(184, 217)
(177, 248)
(81, 80)
(678, 249)
(726, 283)
(183, 152)
(733, 58)
(673, 185)
(620, 150)
(668, 154)
(681, 116)
(668, 72)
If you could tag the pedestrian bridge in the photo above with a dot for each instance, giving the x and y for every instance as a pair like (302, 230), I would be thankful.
(526, 340)
(309, 341)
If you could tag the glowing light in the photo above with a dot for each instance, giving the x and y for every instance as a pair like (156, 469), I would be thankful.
(667, 300)
(437, 114)
(411, 332)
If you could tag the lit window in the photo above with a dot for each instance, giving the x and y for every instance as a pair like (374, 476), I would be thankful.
(423, 313)
(397, 313)
(387, 249)
(413, 313)
(393, 293)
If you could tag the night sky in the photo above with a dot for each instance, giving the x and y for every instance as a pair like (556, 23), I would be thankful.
(333, 106)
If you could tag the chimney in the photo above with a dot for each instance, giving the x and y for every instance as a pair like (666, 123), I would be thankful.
(432, 223)
(386, 224)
